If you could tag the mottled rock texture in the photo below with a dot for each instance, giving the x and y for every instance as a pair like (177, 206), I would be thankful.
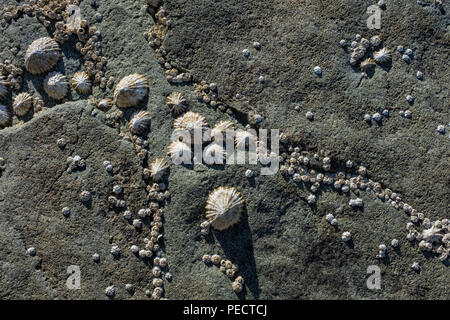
(284, 247)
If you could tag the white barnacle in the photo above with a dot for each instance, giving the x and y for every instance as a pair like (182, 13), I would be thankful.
(224, 207)
(85, 196)
(110, 291)
(376, 117)
(415, 266)
(115, 250)
(346, 236)
(358, 202)
(311, 199)
(318, 70)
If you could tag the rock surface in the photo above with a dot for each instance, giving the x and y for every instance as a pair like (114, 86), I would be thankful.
(284, 247)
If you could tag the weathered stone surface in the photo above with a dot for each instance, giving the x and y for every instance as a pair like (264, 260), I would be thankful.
(284, 247)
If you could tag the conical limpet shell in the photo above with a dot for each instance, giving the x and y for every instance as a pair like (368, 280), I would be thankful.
(22, 104)
(221, 128)
(140, 122)
(382, 56)
(4, 116)
(190, 121)
(131, 90)
(158, 169)
(56, 85)
(179, 152)
(81, 82)
(176, 102)
(224, 207)
(3, 87)
(105, 104)
(42, 55)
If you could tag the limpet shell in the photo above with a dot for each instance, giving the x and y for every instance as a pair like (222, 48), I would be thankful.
(42, 55)
(158, 169)
(140, 122)
(224, 207)
(22, 104)
(131, 90)
(56, 85)
(81, 82)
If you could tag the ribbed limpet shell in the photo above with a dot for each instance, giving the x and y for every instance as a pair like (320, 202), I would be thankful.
(81, 82)
(190, 121)
(22, 104)
(224, 207)
(56, 85)
(42, 55)
(3, 87)
(176, 102)
(140, 122)
(131, 90)
(158, 169)
(4, 116)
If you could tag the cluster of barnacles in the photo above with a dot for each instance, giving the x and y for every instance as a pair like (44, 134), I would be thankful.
(74, 163)
(301, 169)
(11, 75)
(435, 237)
(207, 93)
(112, 119)
(228, 268)
(44, 10)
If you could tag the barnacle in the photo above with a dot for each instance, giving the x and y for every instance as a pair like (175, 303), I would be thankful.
(81, 82)
(158, 169)
(4, 116)
(224, 207)
(176, 102)
(382, 56)
(56, 85)
(22, 103)
(140, 122)
(42, 55)
(131, 90)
